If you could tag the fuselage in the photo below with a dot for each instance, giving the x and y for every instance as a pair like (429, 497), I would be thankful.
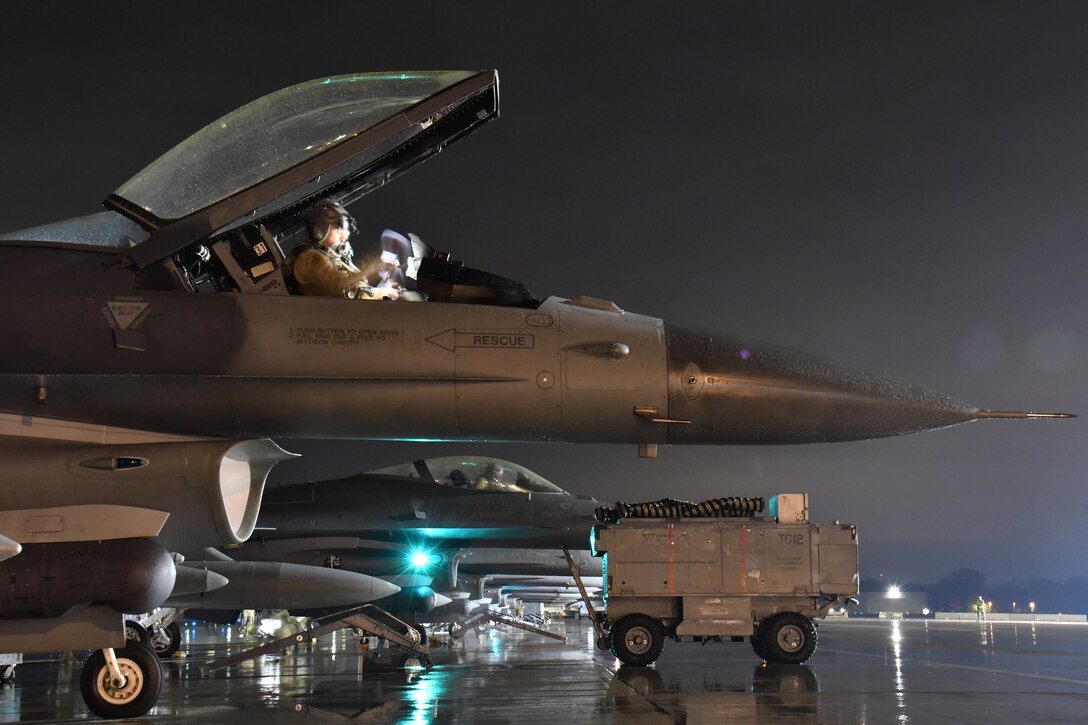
(402, 510)
(103, 346)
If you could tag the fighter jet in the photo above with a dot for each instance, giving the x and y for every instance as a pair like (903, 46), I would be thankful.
(170, 312)
(460, 501)
(446, 524)
(167, 317)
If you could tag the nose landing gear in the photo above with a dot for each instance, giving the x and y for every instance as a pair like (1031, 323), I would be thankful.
(123, 682)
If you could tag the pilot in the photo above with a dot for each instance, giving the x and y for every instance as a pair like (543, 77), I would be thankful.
(489, 480)
(323, 266)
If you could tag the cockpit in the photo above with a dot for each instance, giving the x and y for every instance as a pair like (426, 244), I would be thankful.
(220, 211)
(473, 473)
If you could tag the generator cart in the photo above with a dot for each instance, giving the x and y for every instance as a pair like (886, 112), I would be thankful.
(718, 569)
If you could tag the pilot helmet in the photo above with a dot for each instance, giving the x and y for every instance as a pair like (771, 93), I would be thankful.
(327, 215)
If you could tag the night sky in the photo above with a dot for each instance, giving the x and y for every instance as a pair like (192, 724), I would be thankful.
(900, 187)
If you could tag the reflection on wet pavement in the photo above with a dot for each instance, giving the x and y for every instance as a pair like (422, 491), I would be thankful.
(865, 671)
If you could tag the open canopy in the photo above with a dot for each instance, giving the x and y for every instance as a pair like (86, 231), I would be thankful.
(340, 136)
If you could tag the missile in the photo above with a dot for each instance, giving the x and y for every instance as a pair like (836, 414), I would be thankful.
(195, 580)
(420, 599)
(9, 548)
(453, 608)
(277, 585)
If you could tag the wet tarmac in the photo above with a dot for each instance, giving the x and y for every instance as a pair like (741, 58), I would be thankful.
(865, 671)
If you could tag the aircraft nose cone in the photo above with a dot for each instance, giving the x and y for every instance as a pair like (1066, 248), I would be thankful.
(734, 390)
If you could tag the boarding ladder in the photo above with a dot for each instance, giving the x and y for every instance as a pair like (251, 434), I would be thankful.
(488, 615)
(372, 620)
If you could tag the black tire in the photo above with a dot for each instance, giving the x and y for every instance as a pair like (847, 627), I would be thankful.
(422, 633)
(135, 632)
(787, 638)
(758, 645)
(637, 639)
(143, 682)
(166, 641)
(7, 673)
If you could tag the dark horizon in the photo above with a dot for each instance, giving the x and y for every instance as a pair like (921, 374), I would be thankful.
(958, 590)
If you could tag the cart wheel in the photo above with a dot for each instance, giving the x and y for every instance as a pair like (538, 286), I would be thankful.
(166, 640)
(758, 644)
(7, 673)
(135, 632)
(637, 639)
(141, 676)
(788, 638)
(422, 632)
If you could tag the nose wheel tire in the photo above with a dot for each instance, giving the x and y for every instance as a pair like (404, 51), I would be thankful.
(637, 639)
(787, 638)
(133, 694)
